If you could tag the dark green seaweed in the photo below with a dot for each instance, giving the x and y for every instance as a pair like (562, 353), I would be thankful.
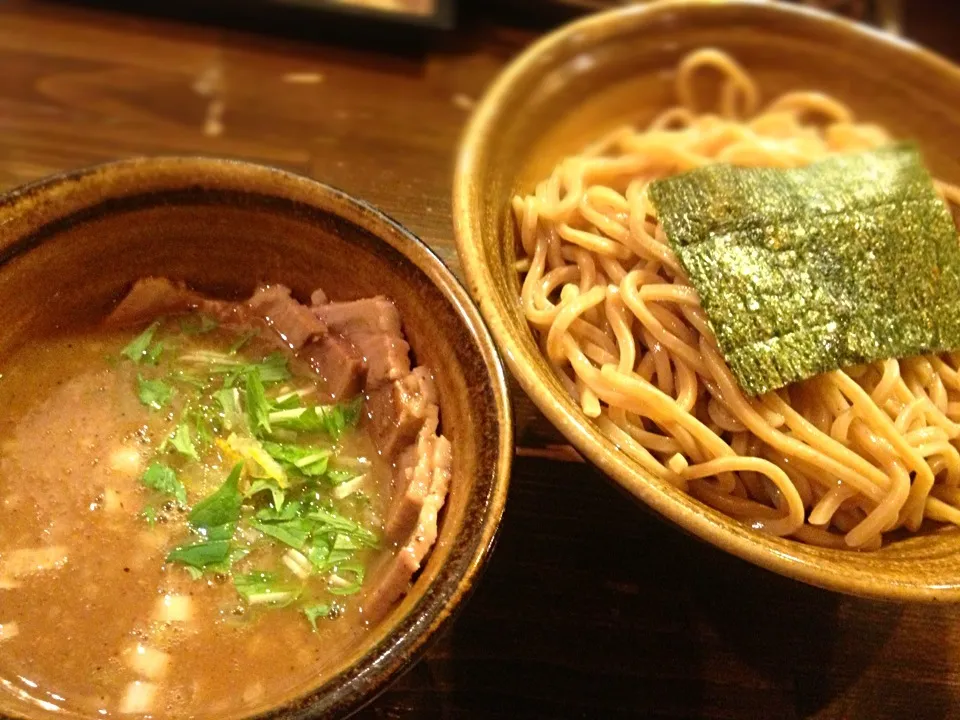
(805, 270)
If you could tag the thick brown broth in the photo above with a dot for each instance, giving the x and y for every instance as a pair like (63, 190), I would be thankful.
(86, 618)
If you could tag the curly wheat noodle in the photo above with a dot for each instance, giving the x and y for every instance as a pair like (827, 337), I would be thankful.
(837, 460)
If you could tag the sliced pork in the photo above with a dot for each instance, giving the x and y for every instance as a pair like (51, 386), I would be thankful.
(415, 478)
(399, 409)
(422, 499)
(151, 297)
(294, 323)
(371, 325)
(339, 363)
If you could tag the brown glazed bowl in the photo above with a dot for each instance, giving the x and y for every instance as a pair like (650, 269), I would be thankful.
(617, 67)
(70, 246)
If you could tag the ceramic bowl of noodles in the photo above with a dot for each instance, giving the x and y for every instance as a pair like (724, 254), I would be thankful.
(677, 220)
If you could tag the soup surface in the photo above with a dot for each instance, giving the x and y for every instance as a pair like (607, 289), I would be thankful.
(191, 523)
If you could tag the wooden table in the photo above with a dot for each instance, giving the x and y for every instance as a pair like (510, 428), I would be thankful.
(590, 607)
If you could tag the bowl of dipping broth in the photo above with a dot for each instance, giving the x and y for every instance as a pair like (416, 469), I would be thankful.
(256, 445)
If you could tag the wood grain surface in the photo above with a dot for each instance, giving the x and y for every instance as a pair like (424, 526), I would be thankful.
(591, 607)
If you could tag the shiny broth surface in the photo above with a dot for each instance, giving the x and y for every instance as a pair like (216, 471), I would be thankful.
(96, 618)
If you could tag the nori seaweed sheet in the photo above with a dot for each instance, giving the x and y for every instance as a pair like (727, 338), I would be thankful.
(805, 270)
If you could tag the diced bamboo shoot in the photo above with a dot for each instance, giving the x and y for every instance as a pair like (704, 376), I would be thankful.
(8, 631)
(174, 608)
(147, 661)
(138, 699)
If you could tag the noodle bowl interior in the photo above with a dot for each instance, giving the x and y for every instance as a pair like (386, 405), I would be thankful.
(839, 460)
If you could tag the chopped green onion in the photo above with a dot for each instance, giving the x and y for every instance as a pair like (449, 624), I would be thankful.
(265, 588)
(339, 585)
(258, 409)
(340, 476)
(229, 400)
(272, 369)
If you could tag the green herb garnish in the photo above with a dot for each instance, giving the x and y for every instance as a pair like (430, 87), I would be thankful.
(187, 379)
(805, 270)
(258, 409)
(340, 476)
(197, 324)
(308, 461)
(163, 479)
(214, 519)
(201, 555)
(229, 401)
(152, 355)
(220, 509)
(241, 341)
(183, 443)
(202, 425)
(328, 521)
(153, 393)
(265, 588)
(347, 580)
(277, 493)
(314, 612)
(280, 498)
(290, 532)
(272, 369)
(331, 419)
(137, 348)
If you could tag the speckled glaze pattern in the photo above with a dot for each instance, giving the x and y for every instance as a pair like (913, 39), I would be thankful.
(72, 245)
(617, 67)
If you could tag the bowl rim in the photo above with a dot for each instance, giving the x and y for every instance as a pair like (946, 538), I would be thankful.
(706, 524)
(404, 640)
